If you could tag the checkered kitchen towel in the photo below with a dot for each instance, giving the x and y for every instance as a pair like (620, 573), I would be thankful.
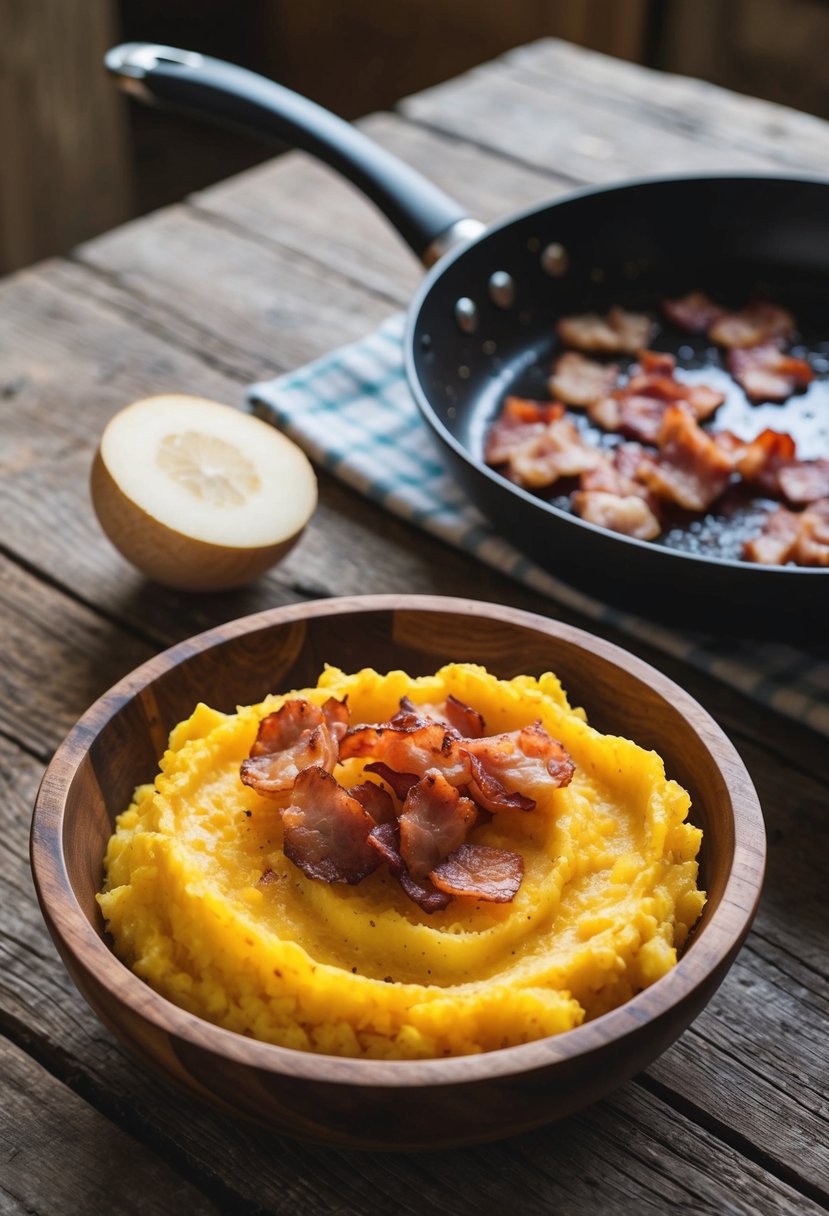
(353, 414)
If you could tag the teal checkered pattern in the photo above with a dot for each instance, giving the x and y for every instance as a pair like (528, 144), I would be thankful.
(353, 414)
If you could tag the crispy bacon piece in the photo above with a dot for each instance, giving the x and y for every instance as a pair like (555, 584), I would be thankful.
(374, 799)
(691, 469)
(804, 481)
(775, 544)
(760, 462)
(638, 407)
(385, 840)
(619, 333)
(766, 374)
(812, 544)
(694, 313)
(477, 871)
(336, 717)
(522, 760)
(434, 821)
(401, 783)
(579, 381)
(466, 720)
(560, 451)
(628, 514)
(326, 830)
(294, 737)
(791, 536)
(489, 792)
(758, 323)
(429, 746)
(519, 422)
(509, 763)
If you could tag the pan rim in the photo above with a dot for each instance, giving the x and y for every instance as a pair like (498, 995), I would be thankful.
(421, 397)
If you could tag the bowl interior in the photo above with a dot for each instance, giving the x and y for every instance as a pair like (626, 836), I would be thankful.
(119, 742)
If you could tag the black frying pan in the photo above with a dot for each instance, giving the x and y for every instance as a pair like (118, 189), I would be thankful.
(482, 326)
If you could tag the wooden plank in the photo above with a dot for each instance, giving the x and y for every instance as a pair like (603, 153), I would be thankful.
(58, 185)
(60, 1155)
(712, 114)
(275, 310)
(57, 656)
(534, 108)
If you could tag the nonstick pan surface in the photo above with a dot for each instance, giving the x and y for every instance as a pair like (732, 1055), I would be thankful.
(481, 327)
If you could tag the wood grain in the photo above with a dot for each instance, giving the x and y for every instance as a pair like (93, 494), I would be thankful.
(52, 93)
(53, 1143)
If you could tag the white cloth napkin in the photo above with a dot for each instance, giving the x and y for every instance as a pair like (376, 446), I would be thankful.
(353, 414)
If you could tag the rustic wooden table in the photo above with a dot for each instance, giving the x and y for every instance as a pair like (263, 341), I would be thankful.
(248, 279)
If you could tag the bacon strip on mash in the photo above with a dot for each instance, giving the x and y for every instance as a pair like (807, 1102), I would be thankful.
(480, 872)
(433, 823)
(446, 783)
(326, 830)
(297, 736)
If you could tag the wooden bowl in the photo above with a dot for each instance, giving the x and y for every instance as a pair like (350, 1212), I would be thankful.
(373, 1103)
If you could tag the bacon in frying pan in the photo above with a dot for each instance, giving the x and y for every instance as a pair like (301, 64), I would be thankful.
(758, 323)
(628, 514)
(812, 544)
(694, 313)
(767, 374)
(804, 481)
(579, 381)
(326, 830)
(519, 422)
(434, 821)
(618, 333)
(791, 536)
(612, 497)
(560, 452)
(294, 737)
(774, 545)
(691, 469)
(637, 408)
(477, 871)
(760, 462)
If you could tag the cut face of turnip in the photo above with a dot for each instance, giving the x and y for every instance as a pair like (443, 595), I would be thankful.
(197, 495)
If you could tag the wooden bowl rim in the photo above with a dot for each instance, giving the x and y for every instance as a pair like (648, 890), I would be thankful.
(708, 951)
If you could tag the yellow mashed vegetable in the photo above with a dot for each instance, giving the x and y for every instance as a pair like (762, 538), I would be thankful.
(608, 897)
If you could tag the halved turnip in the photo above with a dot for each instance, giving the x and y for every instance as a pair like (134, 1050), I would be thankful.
(200, 496)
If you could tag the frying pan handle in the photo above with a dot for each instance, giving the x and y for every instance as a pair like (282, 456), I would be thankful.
(427, 219)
